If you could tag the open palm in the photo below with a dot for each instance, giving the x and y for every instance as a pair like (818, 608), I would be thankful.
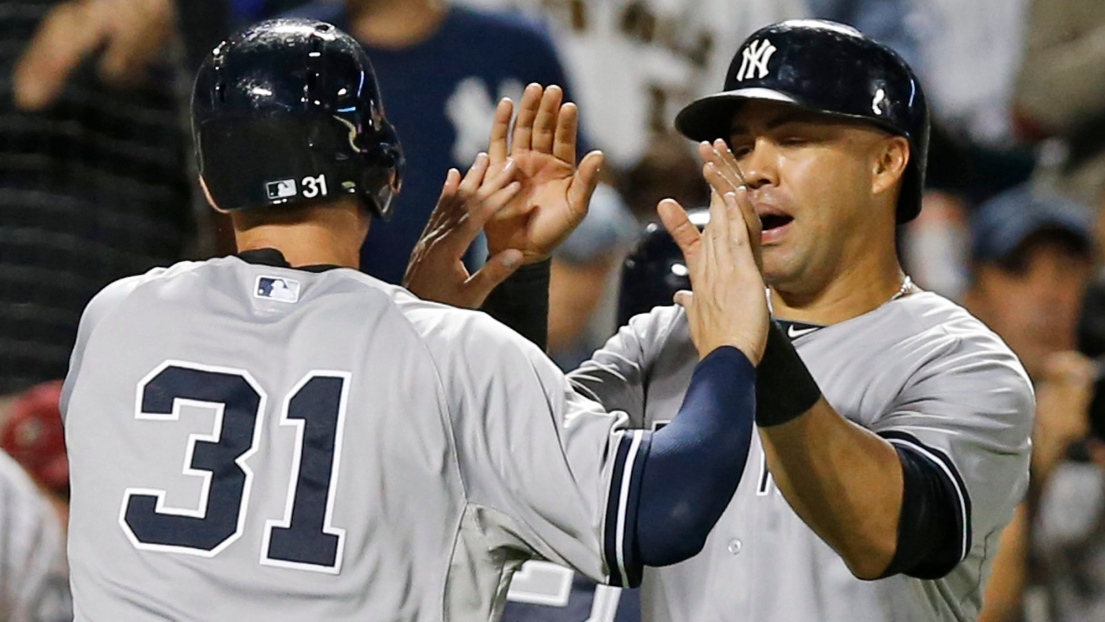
(554, 194)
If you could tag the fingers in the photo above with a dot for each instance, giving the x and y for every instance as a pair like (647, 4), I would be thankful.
(726, 176)
(474, 177)
(729, 162)
(494, 272)
(500, 130)
(527, 114)
(544, 125)
(567, 132)
(584, 182)
(682, 230)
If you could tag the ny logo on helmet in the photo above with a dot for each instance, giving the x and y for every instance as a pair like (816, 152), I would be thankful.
(755, 60)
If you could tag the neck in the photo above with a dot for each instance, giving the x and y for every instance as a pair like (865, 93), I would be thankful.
(395, 24)
(859, 288)
(323, 235)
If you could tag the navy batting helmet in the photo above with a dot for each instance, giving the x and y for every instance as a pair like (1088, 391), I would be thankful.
(829, 68)
(655, 270)
(288, 111)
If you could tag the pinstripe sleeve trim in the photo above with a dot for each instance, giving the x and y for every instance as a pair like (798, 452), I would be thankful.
(619, 543)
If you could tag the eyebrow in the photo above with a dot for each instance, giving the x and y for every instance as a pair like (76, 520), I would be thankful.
(791, 116)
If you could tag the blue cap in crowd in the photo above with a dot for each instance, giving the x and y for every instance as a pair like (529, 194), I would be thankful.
(1004, 222)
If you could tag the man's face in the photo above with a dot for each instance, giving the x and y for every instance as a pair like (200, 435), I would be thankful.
(1034, 309)
(812, 182)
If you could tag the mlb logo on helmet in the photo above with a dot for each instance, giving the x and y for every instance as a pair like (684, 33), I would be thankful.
(280, 189)
(276, 288)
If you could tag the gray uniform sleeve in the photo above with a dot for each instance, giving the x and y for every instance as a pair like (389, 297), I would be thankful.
(548, 471)
(616, 375)
(100, 305)
(968, 408)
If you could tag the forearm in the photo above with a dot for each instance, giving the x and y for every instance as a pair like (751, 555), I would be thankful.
(1004, 596)
(522, 302)
(688, 472)
(844, 481)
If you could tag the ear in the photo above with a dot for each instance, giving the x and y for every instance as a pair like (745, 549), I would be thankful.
(207, 195)
(891, 156)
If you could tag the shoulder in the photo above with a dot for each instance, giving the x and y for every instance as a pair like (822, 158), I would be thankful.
(114, 294)
(954, 354)
(940, 328)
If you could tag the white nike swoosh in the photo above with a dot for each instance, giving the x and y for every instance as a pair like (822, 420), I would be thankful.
(794, 332)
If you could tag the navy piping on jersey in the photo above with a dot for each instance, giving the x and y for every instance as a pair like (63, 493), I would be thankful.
(942, 501)
(621, 523)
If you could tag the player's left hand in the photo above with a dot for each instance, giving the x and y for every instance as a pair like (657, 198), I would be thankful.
(555, 193)
(436, 270)
(128, 37)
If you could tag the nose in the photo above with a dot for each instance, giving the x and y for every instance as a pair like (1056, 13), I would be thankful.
(758, 164)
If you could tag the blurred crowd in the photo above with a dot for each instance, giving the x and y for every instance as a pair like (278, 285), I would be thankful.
(97, 182)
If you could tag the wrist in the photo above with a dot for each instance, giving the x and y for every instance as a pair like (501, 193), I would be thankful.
(785, 389)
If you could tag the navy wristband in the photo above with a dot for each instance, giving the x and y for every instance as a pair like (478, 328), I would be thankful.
(785, 390)
(522, 302)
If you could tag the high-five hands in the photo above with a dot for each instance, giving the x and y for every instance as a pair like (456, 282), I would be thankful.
(728, 306)
(436, 270)
(555, 194)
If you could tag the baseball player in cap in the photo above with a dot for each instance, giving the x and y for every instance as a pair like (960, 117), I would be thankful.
(275, 435)
(893, 427)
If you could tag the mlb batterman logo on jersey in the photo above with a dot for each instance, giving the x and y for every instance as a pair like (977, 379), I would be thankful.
(277, 288)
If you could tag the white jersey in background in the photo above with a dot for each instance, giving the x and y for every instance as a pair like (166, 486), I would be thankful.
(34, 582)
(921, 372)
(255, 442)
(634, 64)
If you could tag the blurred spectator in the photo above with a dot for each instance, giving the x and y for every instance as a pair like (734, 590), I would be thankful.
(896, 23)
(444, 68)
(93, 175)
(1032, 256)
(34, 581)
(583, 279)
(637, 62)
(33, 435)
(1061, 93)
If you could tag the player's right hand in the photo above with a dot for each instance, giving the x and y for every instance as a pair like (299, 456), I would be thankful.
(555, 192)
(728, 305)
(436, 270)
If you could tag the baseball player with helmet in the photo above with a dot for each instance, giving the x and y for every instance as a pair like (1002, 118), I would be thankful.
(275, 435)
(893, 427)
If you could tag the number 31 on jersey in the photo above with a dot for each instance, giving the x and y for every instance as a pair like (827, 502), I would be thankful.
(304, 538)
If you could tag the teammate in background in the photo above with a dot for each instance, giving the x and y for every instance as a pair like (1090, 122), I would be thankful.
(211, 477)
(893, 426)
(32, 551)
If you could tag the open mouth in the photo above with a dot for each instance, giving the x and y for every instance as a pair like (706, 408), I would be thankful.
(774, 221)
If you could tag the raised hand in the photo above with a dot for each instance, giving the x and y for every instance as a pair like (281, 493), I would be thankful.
(728, 306)
(555, 194)
(436, 270)
(722, 172)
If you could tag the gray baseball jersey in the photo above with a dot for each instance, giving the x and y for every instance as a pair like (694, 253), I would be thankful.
(33, 578)
(920, 371)
(255, 442)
